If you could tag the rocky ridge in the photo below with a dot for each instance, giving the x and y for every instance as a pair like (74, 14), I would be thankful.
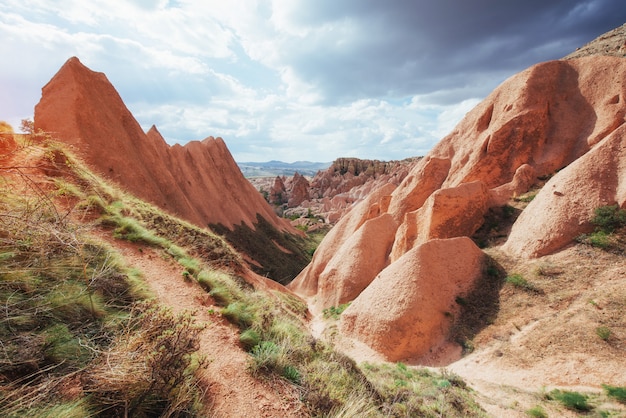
(331, 193)
(562, 120)
(199, 182)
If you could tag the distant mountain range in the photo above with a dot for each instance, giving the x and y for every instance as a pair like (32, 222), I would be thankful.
(280, 168)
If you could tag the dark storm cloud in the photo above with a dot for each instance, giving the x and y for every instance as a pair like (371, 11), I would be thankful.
(393, 48)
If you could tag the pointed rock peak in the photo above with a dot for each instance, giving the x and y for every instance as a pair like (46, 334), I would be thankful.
(75, 68)
(154, 134)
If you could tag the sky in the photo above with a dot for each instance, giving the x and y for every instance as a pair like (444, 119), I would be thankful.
(293, 80)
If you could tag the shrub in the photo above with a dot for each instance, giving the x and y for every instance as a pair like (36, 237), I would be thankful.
(609, 218)
(604, 333)
(249, 339)
(265, 357)
(571, 400)
(616, 392)
(537, 412)
(292, 374)
(152, 368)
(335, 311)
(518, 280)
(240, 314)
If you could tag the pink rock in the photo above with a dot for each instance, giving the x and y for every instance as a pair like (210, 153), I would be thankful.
(408, 307)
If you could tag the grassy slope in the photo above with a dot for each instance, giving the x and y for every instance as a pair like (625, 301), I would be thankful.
(74, 313)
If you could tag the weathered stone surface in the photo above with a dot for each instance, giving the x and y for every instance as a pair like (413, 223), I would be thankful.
(306, 283)
(447, 213)
(563, 208)
(406, 310)
(559, 116)
(278, 193)
(356, 262)
(299, 191)
(199, 182)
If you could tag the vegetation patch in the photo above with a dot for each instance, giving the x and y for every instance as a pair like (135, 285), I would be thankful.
(609, 222)
(335, 311)
(616, 392)
(517, 280)
(571, 400)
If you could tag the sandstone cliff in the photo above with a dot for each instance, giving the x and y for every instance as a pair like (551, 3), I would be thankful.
(561, 119)
(199, 182)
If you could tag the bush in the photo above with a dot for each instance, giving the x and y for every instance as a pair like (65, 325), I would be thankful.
(518, 280)
(249, 339)
(335, 311)
(537, 412)
(604, 333)
(571, 400)
(152, 368)
(609, 218)
(239, 314)
(616, 392)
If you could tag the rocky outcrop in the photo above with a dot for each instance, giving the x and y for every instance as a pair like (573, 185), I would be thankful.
(562, 209)
(408, 308)
(565, 117)
(278, 192)
(299, 191)
(199, 182)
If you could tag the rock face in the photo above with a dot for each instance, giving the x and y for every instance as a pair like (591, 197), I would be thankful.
(419, 291)
(299, 191)
(199, 182)
(562, 209)
(563, 116)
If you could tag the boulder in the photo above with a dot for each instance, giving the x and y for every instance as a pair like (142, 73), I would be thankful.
(407, 309)
(356, 262)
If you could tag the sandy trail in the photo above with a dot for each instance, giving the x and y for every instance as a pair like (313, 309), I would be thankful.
(231, 390)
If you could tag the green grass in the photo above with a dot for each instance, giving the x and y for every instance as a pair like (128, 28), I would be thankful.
(88, 321)
(335, 311)
(537, 412)
(517, 280)
(616, 392)
(571, 400)
(604, 333)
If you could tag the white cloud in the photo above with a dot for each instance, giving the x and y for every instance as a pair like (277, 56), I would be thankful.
(290, 79)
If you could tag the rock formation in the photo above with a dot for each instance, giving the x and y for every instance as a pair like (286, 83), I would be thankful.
(199, 182)
(561, 118)
(299, 191)
(407, 309)
(278, 192)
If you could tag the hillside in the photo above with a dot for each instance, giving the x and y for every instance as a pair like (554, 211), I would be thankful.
(199, 182)
(114, 308)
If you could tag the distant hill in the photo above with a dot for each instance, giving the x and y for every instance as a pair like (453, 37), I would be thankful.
(280, 168)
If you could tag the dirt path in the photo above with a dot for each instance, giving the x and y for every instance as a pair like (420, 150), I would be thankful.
(231, 390)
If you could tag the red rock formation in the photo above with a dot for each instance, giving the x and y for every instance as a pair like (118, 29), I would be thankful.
(278, 192)
(536, 123)
(299, 191)
(7, 141)
(408, 307)
(199, 181)
(562, 209)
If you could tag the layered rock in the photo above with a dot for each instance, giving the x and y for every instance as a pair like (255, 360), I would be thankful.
(199, 182)
(532, 126)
